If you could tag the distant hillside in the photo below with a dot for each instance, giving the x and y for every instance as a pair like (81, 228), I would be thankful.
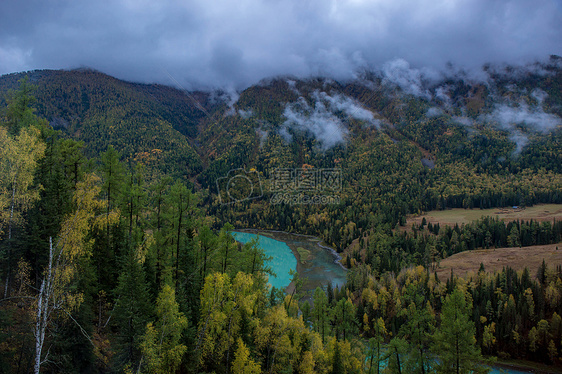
(405, 142)
(154, 124)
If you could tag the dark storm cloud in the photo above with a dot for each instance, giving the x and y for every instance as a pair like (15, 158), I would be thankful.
(234, 44)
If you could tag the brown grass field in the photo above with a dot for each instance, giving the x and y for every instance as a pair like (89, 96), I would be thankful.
(494, 260)
(450, 217)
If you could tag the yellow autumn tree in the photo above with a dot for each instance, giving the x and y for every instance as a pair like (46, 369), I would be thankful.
(488, 338)
(18, 160)
(243, 364)
(161, 344)
(223, 304)
(284, 341)
(19, 155)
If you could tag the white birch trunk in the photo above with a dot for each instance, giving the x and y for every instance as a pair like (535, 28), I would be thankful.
(43, 310)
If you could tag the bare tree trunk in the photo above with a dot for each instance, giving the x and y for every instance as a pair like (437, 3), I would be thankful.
(378, 357)
(43, 310)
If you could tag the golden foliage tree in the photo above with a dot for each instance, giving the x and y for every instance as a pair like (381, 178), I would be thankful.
(19, 155)
(161, 344)
(243, 364)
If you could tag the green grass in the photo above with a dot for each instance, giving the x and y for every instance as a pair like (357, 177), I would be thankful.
(541, 212)
(304, 255)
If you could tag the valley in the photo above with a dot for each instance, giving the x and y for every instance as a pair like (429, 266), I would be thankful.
(280, 187)
(139, 188)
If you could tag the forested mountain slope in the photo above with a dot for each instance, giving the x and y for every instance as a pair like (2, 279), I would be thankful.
(147, 123)
(405, 141)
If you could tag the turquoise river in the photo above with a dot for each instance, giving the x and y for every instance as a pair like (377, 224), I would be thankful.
(318, 269)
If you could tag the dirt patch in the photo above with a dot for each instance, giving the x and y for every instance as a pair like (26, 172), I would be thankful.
(495, 260)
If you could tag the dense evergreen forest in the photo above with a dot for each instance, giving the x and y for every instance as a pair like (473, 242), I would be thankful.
(116, 252)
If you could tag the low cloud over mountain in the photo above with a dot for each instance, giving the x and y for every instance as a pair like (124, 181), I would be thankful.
(235, 44)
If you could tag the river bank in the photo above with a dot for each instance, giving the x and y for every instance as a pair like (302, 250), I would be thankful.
(524, 366)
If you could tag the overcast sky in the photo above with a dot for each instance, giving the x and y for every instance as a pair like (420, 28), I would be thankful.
(214, 43)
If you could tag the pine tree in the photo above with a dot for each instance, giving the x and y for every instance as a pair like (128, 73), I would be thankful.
(320, 312)
(158, 199)
(541, 273)
(182, 214)
(20, 112)
(375, 354)
(343, 317)
(396, 355)
(108, 247)
(513, 240)
(330, 293)
(132, 309)
(337, 361)
(417, 330)
(454, 342)
(133, 201)
(58, 172)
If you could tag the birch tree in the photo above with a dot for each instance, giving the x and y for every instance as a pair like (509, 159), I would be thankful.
(56, 296)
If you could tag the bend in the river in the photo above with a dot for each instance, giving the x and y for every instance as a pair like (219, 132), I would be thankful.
(319, 268)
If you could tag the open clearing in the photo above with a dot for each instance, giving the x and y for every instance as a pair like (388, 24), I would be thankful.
(496, 259)
(450, 217)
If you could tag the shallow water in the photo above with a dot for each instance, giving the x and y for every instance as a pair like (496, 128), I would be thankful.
(430, 164)
(495, 369)
(318, 270)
